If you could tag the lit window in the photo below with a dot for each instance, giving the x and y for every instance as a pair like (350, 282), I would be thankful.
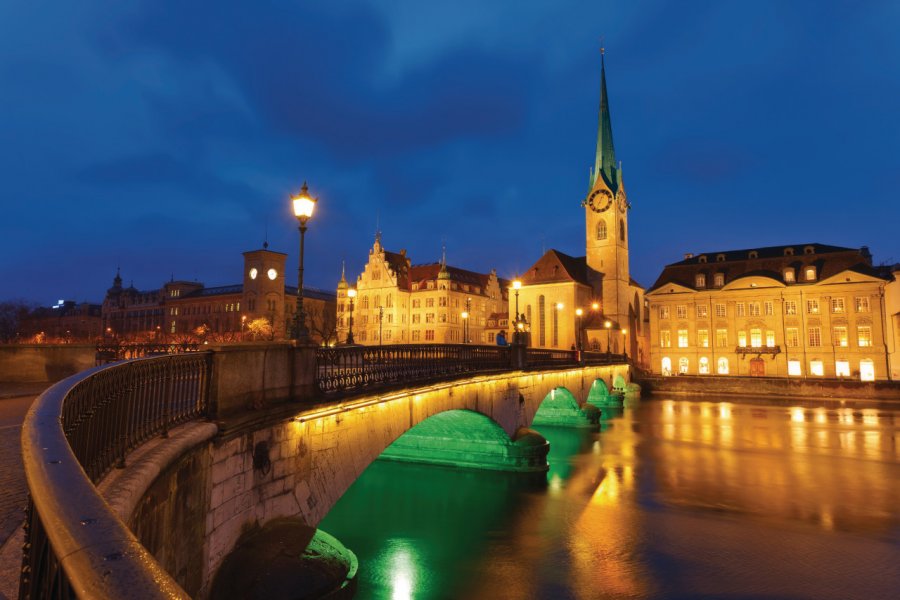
(810, 273)
(840, 336)
(681, 311)
(666, 366)
(770, 338)
(837, 305)
(700, 280)
(812, 307)
(862, 304)
(703, 366)
(429, 318)
(814, 336)
(682, 338)
(665, 339)
(622, 230)
(770, 308)
(416, 335)
(720, 310)
(719, 279)
(816, 368)
(663, 312)
(683, 365)
(789, 276)
(702, 311)
(794, 369)
(721, 338)
(756, 338)
(864, 336)
(754, 309)
(703, 338)
(842, 368)
(723, 366)
(740, 309)
(790, 307)
(742, 339)
(866, 370)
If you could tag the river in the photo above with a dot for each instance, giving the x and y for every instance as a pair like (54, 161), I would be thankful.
(670, 499)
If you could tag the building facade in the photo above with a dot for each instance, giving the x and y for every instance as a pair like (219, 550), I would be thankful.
(808, 310)
(401, 303)
(599, 284)
(66, 321)
(188, 310)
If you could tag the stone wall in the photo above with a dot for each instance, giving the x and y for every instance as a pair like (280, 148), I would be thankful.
(43, 363)
(772, 386)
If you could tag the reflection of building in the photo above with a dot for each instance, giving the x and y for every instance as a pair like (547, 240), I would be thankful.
(807, 310)
(65, 321)
(188, 309)
(401, 303)
(557, 284)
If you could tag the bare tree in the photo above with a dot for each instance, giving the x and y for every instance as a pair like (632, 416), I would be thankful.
(12, 312)
(322, 324)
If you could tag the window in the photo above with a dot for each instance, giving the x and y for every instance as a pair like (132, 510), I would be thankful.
(622, 230)
(700, 280)
(416, 335)
(790, 307)
(720, 310)
(742, 339)
(754, 309)
(740, 309)
(812, 307)
(720, 258)
(429, 335)
(794, 369)
(429, 302)
(683, 365)
(810, 273)
(416, 318)
(866, 370)
(839, 336)
(842, 368)
(756, 338)
(666, 366)
(665, 339)
(864, 336)
(601, 230)
(723, 366)
(681, 311)
(789, 276)
(429, 317)
(387, 335)
(702, 311)
(837, 305)
(389, 302)
(816, 368)
(769, 307)
(719, 279)
(753, 254)
(663, 312)
(770, 338)
(814, 336)
(416, 303)
(703, 366)
(862, 304)
(788, 251)
(362, 336)
(442, 301)
(682, 338)
(377, 300)
(703, 338)
(365, 302)
(792, 337)
(721, 338)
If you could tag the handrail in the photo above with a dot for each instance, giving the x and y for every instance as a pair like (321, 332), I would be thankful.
(74, 433)
(110, 352)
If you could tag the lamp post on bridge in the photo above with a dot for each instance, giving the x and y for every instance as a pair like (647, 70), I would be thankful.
(303, 210)
(518, 327)
(607, 324)
(578, 313)
(351, 293)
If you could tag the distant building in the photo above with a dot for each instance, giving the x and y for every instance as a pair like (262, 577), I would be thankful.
(66, 321)
(892, 320)
(181, 310)
(807, 310)
(401, 303)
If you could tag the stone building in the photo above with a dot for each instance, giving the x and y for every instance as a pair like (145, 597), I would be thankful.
(892, 320)
(807, 310)
(181, 310)
(401, 303)
(599, 284)
(66, 321)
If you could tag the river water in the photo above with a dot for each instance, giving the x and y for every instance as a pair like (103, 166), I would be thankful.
(670, 499)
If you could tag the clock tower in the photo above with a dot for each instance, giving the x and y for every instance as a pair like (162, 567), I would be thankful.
(606, 219)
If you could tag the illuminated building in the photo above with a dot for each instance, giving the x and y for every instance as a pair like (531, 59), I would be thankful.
(66, 321)
(784, 311)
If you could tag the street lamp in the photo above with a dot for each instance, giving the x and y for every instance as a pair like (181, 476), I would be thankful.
(578, 313)
(465, 318)
(625, 342)
(303, 210)
(607, 325)
(351, 293)
(243, 323)
(517, 285)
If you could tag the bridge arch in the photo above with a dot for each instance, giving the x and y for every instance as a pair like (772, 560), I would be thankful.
(560, 408)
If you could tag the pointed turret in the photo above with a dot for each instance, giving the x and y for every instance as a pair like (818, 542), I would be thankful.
(444, 273)
(605, 161)
(342, 284)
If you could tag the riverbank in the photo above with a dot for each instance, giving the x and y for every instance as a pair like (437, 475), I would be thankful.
(771, 387)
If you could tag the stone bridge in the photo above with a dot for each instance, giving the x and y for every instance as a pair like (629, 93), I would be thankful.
(270, 452)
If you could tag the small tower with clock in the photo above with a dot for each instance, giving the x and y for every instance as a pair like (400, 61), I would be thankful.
(263, 293)
(606, 219)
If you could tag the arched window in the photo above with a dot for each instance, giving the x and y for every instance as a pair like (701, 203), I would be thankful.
(601, 230)
(622, 229)
(683, 365)
(666, 366)
(723, 366)
(704, 366)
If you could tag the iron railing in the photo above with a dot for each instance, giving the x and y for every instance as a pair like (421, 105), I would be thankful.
(349, 368)
(107, 353)
(544, 357)
(74, 434)
(603, 358)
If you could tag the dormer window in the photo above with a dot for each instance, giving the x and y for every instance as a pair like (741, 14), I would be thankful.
(809, 250)
(702, 259)
(700, 280)
(788, 251)
(720, 258)
(753, 254)
(810, 273)
(719, 279)
(789, 275)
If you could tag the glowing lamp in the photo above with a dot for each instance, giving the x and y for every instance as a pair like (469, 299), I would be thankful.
(304, 205)
(517, 284)
(579, 312)
(351, 293)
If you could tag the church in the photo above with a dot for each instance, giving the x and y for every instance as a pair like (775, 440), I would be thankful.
(591, 301)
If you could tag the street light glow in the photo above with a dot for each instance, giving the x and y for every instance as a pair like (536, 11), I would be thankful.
(303, 204)
(607, 324)
(559, 306)
(579, 312)
(351, 293)
(517, 284)
(595, 306)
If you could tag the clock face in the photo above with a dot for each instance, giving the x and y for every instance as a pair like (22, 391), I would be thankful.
(253, 273)
(272, 273)
(599, 200)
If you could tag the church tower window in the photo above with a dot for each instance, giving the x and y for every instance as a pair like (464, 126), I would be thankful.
(622, 230)
(601, 230)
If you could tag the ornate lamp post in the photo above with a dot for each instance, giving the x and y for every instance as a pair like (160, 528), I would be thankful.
(607, 325)
(303, 210)
(625, 342)
(380, 321)
(465, 318)
(519, 327)
(351, 293)
(578, 313)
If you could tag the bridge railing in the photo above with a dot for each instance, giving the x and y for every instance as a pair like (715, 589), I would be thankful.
(107, 353)
(75, 433)
(348, 368)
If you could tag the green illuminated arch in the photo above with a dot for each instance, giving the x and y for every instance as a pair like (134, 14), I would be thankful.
(560, 408)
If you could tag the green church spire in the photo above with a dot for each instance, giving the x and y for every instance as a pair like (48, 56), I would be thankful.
(605, 162)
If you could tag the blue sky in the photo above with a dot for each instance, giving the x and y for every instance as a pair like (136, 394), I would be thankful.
(166, 136)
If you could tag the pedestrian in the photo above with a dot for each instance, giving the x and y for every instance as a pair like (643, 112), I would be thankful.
(501, 339)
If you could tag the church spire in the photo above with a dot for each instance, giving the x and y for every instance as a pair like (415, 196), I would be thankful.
(605, 161)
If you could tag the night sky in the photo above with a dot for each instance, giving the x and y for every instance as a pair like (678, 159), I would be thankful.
(165, 137)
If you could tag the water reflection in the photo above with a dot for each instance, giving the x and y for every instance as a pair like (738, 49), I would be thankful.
(670, 499)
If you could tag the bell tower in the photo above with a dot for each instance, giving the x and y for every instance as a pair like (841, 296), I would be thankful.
(606, 219)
